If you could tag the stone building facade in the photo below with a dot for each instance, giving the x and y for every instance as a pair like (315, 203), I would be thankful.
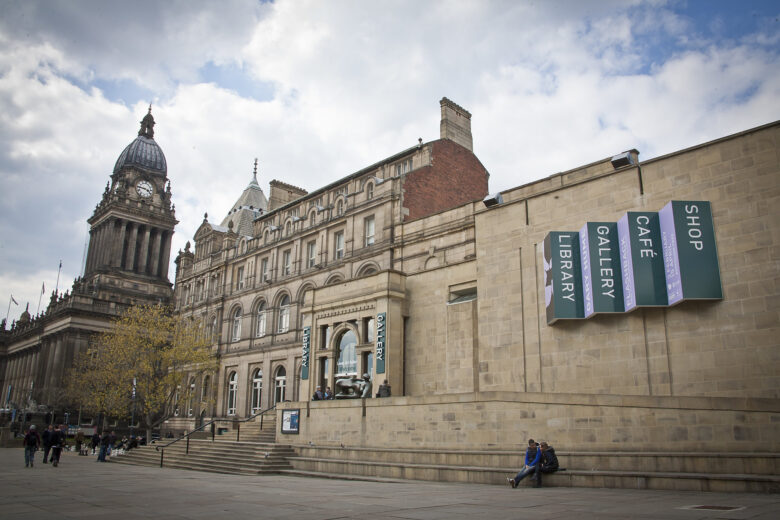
(408, 271)
(483, 368)
(322, 266)
(126, 264)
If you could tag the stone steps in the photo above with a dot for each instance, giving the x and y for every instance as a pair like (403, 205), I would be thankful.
(217, 456)
(695, 472)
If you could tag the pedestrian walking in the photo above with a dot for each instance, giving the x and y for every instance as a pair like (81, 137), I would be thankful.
(46, 439)
(58, 438)
(32, 442)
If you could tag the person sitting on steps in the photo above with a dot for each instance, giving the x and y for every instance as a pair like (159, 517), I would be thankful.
(532, 456)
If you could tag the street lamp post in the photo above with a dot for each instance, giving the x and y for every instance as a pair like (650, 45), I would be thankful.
(132, 419)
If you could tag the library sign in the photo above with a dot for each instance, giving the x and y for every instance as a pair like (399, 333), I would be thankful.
(645, 259)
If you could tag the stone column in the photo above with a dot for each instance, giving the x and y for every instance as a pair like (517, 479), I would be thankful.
(130, 258)
(57, 365)
(155, 268)
(165, 255)
(103, 237)
(118, 249)
(91, 251)
(144, 253)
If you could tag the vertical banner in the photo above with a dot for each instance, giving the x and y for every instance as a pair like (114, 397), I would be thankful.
(602, 285)
(642, 260)
(562, 276)
(381, 342)
(690, 253)
(306, 353)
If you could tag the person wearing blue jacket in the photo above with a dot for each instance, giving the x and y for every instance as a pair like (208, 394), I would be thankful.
(532, 456)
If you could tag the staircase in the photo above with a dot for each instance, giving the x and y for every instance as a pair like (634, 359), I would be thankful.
(724, 472)
(255, 453)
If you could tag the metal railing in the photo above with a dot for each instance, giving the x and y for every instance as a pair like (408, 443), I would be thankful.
(213, 424)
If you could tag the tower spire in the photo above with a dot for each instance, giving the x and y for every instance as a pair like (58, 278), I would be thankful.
(254, 174)
(147, 125)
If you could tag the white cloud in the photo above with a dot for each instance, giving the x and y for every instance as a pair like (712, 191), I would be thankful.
(551, 85)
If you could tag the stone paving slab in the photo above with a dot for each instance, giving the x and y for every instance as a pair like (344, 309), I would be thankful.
(83, 488)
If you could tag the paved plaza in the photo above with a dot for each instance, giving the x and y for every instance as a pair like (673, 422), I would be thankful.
(82, 488)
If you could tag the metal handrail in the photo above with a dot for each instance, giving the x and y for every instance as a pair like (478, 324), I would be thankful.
(212, 423)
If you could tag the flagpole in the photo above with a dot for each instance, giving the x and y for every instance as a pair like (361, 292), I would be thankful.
(58, 278)
(43, 290)
(8, 312)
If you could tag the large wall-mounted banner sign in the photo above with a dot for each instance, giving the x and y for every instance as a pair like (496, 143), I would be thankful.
(305, 353)
(646, 259)
(602, 283)
(563, 276)
(642, 260)
(381, 342)
(690, 254)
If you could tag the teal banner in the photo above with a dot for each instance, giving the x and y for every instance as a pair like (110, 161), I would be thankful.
(306, 353)
(602, 284)
(381, 342)
(562, 276)
(642, 260)
(690, 254)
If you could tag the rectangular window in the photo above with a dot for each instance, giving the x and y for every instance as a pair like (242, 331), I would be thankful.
(264, 276)
(403, 167)
(240, 278)
(286, 265)
(368, 227)
(338, 245)
(311, 254)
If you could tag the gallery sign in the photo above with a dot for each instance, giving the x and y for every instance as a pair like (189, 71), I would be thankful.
(646, 259)
(602, 282)
(381, 342)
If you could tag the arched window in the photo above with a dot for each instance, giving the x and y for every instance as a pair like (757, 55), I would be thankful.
(347, 361)
(204, 391)
(257, 390)
(260, 329)
(340, 207)
(280, 385)
(288, 229)
(284, 314)
(237, 324)
(312, 218)
(213, 330)
(232, 393)
(369, 190)
(191, 398)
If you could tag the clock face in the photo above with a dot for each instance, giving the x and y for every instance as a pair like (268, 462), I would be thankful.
(144, 189)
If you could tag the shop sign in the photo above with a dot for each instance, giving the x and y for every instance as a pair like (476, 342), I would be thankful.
(690, 253)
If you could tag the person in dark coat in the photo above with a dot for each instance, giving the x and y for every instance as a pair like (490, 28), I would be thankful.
(46, 439)
(95, 442)
(318, 395)
(532, 456)
(547, 464)
(32, 441)
(104, 441)
(58, 438)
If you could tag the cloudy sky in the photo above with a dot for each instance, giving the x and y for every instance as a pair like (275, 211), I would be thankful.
(319, 89)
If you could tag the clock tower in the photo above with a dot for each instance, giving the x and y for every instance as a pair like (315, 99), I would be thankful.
(132, 226)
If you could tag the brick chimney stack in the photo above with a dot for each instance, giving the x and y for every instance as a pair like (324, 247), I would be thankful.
(456, 124)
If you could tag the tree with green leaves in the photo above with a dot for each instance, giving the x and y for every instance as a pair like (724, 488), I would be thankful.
(150, 345)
